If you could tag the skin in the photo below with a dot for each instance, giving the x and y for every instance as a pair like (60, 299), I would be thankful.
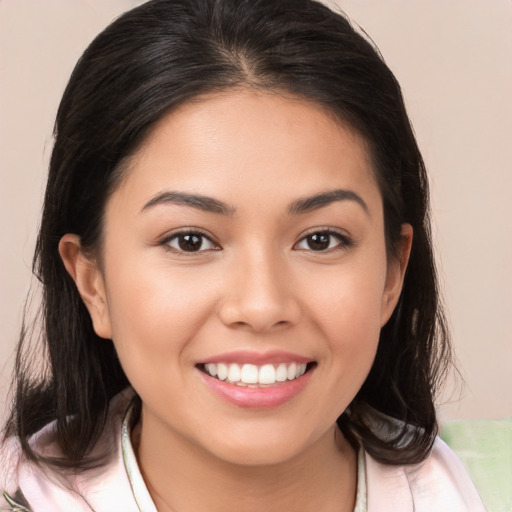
(257, 285)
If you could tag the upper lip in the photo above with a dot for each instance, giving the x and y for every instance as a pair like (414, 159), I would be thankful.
(257, 358)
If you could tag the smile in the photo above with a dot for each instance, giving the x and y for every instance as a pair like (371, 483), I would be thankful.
(255, 380)
(251, 375)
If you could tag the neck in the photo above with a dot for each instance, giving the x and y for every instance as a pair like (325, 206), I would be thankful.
(182, 477)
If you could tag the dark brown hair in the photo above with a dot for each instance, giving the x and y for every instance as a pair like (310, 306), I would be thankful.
(149, 61)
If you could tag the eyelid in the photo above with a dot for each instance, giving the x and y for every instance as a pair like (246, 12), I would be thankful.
(164, 240)
(345, 240)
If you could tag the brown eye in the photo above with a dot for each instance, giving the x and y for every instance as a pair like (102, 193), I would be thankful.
(190, 242)
(319, 241)
(323, 241)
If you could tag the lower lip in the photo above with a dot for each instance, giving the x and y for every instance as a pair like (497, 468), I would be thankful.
(257, 398)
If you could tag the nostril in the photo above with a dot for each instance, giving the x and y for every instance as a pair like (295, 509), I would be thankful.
(255, 308)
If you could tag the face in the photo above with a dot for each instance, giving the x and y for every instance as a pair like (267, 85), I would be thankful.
(243, 277)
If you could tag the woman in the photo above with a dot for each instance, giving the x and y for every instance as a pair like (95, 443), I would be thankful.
(240, 302)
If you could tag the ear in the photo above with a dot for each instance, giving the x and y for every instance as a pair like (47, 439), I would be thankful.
(89, 281)
(396, 273)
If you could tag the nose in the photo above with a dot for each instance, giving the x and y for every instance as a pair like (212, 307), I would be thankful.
(259, 295)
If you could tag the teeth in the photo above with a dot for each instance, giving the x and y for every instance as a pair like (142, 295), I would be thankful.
(234, 373)
(267, 374)
(250, 374)
(281, 373)
(222, 371)
(212, 369)
(292, 371)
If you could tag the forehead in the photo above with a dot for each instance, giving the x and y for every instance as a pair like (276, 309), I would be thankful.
(233, 142)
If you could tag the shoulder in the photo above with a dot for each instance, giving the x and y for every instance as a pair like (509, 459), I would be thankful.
(10, 460)
(24, 482)
(438, 483)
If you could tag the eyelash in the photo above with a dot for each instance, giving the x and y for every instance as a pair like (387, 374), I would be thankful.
(188, 232)
(344, 242)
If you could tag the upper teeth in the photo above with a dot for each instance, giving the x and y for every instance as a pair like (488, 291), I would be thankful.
(252, 374)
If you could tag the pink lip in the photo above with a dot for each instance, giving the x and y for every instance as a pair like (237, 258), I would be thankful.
(251, 357)
(257, 398)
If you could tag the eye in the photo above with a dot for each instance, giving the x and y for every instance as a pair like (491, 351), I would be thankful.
(190, 241)
(323, 241)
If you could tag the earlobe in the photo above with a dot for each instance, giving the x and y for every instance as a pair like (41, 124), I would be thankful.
(396, 273)
(89, 281)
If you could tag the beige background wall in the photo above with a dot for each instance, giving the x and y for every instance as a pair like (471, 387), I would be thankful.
(453, 59)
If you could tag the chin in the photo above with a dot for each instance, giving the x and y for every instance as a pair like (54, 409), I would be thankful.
(262, 447)
(259, 456)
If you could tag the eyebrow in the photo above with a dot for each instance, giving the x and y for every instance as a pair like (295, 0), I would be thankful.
(211, 205)
(200, 202)
(311, 203)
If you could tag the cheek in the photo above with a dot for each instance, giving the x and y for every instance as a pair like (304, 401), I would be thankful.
(155, 310)
(349, 302)
(347, 311)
